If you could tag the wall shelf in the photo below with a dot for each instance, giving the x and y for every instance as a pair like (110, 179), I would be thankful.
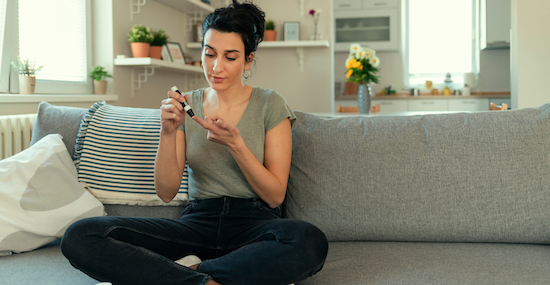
(278, 44)
(187, 6)
(149, 65)
(299, 45)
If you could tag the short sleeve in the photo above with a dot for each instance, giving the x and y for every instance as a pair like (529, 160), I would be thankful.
(277, 110)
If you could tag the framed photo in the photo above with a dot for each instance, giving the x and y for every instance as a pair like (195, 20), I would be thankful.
(292, 31)
(166, 54)
(176, 53)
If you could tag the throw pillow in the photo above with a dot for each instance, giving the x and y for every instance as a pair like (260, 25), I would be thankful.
(115, 155)
(51, 119)
(40, 196)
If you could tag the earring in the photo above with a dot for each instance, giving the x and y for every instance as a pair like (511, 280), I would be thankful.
(246, 74)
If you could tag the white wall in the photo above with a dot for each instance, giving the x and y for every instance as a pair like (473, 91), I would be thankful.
(277, 69)
(529, 53)
(310, 90)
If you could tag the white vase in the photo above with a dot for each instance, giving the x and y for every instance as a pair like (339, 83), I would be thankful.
(26, 84)
(100, 87)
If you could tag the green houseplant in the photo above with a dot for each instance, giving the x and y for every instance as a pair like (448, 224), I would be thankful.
(140, 38)
(160, 38)
(27, 78)
(270, 34)
(98, 74)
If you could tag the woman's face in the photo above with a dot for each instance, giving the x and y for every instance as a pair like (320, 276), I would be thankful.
(223, 59)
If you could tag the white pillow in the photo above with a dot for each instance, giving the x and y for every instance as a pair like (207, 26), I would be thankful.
(40, 196)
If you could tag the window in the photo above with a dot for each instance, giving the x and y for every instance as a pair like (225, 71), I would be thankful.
(53, 33)
(439, 37)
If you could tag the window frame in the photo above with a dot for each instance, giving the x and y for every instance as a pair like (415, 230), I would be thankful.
(458, 78)
(43, 86)
(7, 50)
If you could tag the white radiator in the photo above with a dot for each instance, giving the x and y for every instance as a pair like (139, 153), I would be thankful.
(15, 133)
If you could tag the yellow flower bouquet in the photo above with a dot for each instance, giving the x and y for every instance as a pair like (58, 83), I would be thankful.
(362, 65)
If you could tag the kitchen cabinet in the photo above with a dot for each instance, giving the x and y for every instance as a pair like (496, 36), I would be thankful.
(495, 24)
(371, 23)
(387, 106)
(427, 105)
(468, 104)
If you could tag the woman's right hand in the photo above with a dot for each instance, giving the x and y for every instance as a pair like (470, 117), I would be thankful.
(172, 113)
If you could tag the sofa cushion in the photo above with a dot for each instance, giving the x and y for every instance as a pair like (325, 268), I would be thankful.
(115, 155)
(403, 263)
(463, 177)
(40, 196)
(61, 120)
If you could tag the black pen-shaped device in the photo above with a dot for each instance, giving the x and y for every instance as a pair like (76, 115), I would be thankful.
(185, 105)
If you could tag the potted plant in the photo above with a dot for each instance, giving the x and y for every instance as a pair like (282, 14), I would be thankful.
(270, 34)
(98, 74)
(140, 38)
(361, 66)
(27, 70)
(160, 38)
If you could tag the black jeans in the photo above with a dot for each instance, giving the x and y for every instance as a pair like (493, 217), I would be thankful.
(241, 241)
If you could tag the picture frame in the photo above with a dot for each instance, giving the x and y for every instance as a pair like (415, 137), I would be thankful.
(291, 31)
(176, 52)
(166, 54)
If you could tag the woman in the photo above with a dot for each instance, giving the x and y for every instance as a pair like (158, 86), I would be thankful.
(239, 161)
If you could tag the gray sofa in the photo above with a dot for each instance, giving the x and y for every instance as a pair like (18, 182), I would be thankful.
(458, 198)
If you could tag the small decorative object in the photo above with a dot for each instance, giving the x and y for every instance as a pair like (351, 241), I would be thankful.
(176, 53)
(292, 31)
(98, 74)
(270, 34)
(140, 38)
(27, 70)
(466, 90)
(160, 38)
(166, 53)
(362, 66)
(198, 31)
(315, 14)
(429, 84)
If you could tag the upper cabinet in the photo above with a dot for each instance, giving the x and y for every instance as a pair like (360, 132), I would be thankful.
(371, 23)
(495, 23)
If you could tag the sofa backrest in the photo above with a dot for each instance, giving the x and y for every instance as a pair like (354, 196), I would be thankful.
(463, 177)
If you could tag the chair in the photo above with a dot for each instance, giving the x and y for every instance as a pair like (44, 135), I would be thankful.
(340, 109)
(494, 107)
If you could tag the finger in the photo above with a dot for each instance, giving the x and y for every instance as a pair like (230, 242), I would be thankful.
(174, 107)
(169, 116)
(201, 122)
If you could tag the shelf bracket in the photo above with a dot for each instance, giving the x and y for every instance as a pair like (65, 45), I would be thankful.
(141, 78)
(135, 7)
(300, 52)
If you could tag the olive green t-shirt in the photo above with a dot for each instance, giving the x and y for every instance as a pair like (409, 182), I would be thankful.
(213, 172)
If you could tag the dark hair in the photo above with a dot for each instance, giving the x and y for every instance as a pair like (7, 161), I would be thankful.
(245, 19)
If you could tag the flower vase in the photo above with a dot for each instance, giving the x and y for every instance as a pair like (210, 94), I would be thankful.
(363, 98)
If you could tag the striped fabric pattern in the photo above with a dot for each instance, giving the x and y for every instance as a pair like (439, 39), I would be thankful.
(115, 155)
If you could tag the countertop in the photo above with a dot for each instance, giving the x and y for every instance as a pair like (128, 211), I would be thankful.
(429, 96)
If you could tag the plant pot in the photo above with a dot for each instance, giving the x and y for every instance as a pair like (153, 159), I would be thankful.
(100, 87)
(270, 35)
(26, 84)
(155, 52)
(140, 49)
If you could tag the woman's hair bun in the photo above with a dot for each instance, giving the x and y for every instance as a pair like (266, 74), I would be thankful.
(245, 19)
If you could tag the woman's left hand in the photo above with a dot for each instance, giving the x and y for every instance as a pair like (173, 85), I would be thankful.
(219, 131)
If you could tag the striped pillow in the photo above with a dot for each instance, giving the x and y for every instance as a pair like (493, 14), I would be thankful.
(115, 155)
